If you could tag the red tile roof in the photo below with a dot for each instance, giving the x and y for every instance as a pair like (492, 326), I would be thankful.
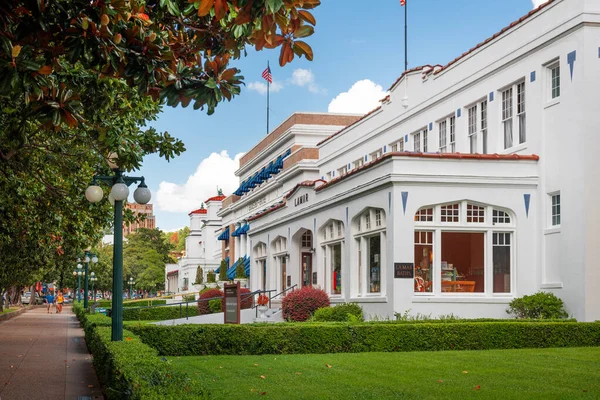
(450, 156)
(303, 184)
(198, 211)
(216, 198)
(268, 211)
(523, 18)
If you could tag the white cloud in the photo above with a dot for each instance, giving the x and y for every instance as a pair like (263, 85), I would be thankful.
(216, 170)
(537, 3)
(261, 87)
(305, 77)
(362, 97)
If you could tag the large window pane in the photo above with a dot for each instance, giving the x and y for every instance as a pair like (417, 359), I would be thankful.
(463, 261)
(336, 269)
(501, 250)
(374, 277)
(423, 261)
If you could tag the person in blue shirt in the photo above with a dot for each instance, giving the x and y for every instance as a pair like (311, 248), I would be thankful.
(49, 301)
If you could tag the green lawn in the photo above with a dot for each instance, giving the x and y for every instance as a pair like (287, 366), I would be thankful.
(565, 373)
(7, 310)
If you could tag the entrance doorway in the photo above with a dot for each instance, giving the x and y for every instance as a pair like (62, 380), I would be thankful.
(306, 264)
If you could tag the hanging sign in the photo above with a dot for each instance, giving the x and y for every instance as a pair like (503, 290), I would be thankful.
(232, 303)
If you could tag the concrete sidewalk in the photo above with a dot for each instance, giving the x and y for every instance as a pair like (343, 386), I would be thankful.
(44, 356)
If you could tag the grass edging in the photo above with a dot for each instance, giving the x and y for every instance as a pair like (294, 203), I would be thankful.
(131, 369)
(196, 340)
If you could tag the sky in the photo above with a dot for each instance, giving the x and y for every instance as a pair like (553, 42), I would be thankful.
(358, 53)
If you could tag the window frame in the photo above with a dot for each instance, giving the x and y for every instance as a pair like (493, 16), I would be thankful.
(443, 135)
(553, 91)
(516, 119)
(555, 217)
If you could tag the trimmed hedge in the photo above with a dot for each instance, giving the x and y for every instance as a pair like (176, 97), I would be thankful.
(159, 313)
(131, 369)
(195, 340)
(133, 303)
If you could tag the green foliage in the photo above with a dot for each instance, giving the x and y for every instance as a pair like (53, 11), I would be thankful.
(133, 303)
(199, 276)
(160, 313)
(223, 271)
(302, 338)
(210, 277)
(345, 312)
(542, 305)
(132, 370)
(240, 271)
(144, 257)
(182, 234)
(215, 306)
(189, 297)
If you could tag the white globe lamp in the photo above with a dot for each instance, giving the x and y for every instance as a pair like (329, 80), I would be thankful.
(94, 193)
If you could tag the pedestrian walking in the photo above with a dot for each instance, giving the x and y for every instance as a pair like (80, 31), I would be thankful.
(49, 301)
(59, 302)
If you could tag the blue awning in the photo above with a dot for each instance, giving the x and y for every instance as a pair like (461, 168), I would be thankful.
(247, 265)
(244, 229)
(260, 176)
(224, 235)
(239, 231)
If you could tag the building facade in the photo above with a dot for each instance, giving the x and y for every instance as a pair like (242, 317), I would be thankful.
(148, 221)
(201, 249)
(457, 194)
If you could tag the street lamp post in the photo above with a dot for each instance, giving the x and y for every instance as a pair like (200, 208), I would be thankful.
(93, 279)
(119, 192)
(131, 283)
(87, 260)
(78, 273)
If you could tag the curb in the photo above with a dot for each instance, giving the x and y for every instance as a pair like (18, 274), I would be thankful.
(7, 316)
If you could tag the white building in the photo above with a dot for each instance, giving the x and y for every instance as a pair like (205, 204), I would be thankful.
(456, 195)
(201, 248)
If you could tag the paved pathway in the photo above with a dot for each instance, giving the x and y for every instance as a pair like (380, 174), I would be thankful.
(44, 356)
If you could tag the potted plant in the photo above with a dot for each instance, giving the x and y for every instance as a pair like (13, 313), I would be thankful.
(223, 273)
(211, 281)
(199, 278)
(240, 273)
(263, 305)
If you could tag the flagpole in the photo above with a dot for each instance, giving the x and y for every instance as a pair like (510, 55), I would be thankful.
(268, 86)
(405, 37)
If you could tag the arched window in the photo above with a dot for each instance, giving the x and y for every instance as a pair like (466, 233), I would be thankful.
(280, 257)
(332, 242)
(476, 246)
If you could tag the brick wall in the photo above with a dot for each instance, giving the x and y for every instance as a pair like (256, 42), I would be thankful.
(298, 118)
(306, 153)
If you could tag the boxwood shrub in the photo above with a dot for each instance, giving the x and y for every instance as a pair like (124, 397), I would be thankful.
(160, 313)
(133, 303)
(344, 312)
(188, 340)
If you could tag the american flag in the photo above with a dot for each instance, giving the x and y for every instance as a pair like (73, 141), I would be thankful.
(267, 75)
(402, 2)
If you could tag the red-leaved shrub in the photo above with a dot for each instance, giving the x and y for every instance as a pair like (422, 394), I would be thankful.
(208, 294)
(247, 300)
(299, 305)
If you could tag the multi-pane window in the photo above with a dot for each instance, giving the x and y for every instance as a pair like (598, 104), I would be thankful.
(507, 117)
(339, 229)
(378, 218)
(307, 239)
(555, 209)
(374, 260)
(358, 163)
(500, 217)
(483, 111)
(417, 141)
(330, 232)
(555, 80)
(375, 155)
(424, 215)
(394, 147)
(450, 213)
(368, 221)
(423, 281)
(358, 225)
(452, 134)
(475, 214)
(443, 136)
(501, 261)
(472, 128)
(425, 140)
(336, 268)
(401, 145)
(343, 170)
(521, 111)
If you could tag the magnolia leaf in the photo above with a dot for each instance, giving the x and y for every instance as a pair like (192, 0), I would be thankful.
(205, 6)
(306, 49)
(304, 31)
(45, 70)
(16, 50)
(308, 17)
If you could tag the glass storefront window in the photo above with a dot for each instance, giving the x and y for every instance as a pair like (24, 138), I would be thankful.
(423, 281)
(463, 262)
(336, 269)
(501, 255)
(374, 282)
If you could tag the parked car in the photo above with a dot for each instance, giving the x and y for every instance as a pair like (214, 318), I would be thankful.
(26, 298)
